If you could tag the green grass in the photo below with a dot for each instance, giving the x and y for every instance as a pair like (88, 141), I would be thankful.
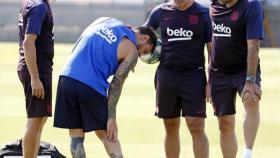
(140, 132)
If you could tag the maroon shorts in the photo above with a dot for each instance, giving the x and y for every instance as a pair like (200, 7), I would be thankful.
(36, 107)
(180, 93)
(224, 87)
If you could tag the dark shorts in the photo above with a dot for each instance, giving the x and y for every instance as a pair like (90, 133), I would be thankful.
(224, 88)
(37, 107)
(79, 106)
(180, 93)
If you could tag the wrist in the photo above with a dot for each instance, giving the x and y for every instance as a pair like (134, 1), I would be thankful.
(34, 77)
(112, 119)
(250, 79)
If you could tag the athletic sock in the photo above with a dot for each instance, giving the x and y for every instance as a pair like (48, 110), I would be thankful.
(247, 153)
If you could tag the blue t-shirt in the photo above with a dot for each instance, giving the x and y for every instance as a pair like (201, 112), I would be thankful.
(35, 17)
(232, 27)
(183, 33)
(94, 57)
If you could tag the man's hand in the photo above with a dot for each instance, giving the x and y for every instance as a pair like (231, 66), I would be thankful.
(112, 130)
(37, 88)
(208, 93)
(253, 89)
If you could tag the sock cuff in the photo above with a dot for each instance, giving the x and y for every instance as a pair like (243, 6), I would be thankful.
(247, 153)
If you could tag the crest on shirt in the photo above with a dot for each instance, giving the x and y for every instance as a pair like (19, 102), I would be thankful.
(234, 16)
(193, 19)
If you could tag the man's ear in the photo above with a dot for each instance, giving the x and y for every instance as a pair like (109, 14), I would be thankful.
(145, 38)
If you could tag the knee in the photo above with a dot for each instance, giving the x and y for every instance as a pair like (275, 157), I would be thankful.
(226, 126)
(196, 127)
(36, 123)
(76, 133)
(171, 125)
(101, 134)
(250, 100)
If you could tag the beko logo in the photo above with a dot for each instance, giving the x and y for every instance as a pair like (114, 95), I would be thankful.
(221, 30)
(180, 34)
(107, 34)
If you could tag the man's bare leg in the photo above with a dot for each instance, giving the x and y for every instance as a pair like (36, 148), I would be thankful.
(113, 149)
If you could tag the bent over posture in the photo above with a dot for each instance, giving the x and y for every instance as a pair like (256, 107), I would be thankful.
(107, 47)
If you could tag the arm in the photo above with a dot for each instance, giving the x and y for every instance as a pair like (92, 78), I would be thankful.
(208, 41)
(127, 53)
(31, 62)
(208, 87)
(208, 37)
(254, 33)
(35, 21)
(117, 84)
(252, 64)
(209, 50)
(253, 56)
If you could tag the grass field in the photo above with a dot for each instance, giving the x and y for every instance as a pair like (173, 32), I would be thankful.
(140, 132)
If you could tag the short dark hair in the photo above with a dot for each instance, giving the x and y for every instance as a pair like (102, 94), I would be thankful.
(145, 30)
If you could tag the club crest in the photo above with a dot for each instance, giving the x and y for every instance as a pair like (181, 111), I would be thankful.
(193, 19)
(234, 16)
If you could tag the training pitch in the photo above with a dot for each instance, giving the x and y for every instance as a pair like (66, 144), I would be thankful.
(140, 132)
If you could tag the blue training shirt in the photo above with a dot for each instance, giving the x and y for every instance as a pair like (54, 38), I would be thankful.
(232, 27)
(94, 58)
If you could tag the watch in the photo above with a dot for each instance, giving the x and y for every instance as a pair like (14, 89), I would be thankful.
(251, 78)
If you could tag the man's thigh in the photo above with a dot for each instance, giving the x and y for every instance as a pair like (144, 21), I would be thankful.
(37, 107)
(223, 94)
(166, 96)
(192, 94)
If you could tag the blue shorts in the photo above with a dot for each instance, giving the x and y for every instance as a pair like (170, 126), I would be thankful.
(180, 93)
(224, 87)
(79, 106)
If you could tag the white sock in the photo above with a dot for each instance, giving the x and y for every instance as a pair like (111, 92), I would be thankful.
(247, 153)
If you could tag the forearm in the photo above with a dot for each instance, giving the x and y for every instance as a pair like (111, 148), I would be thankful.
(117, 84)
(114, 95)
(252, 58)
(209, 50)
(30, 59)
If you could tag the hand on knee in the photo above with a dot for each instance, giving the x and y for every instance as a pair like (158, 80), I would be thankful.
(250, 99)
(77, 147)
